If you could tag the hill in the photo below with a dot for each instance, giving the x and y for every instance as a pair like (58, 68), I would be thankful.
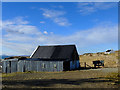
(110, 60)
(4, 56)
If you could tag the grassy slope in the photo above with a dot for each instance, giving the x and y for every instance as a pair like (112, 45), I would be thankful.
(110, 60)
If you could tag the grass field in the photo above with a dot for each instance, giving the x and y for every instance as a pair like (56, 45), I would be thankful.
(110, 60)
(91, 78)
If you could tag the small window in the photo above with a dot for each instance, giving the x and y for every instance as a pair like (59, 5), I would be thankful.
(43, 65)
(55, 66)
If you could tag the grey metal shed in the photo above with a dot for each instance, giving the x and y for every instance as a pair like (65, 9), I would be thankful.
(46, 58)
(9, 66)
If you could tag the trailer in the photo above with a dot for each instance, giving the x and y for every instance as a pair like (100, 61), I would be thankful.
(98, 63)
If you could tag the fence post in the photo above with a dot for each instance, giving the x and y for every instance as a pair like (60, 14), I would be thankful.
(85, 64)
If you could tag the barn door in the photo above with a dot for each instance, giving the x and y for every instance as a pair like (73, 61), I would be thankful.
(6, 70)
(10, 66)
(66, 65)
(23, 68)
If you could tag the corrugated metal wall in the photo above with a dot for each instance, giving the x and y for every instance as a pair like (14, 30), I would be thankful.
(9, 66)
(74, 64)
(31, 65)
(14, 66)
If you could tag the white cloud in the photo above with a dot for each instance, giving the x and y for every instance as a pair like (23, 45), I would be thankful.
(42, 22)
(20, 29)
(61, 21)
(56, 16)
(52, 13)
(51, 32)
(24, 44)
(58, 6)
(18, 26)
(18, 37)
(45, 32)
(16, 21)
(90, 7)
(19, 48)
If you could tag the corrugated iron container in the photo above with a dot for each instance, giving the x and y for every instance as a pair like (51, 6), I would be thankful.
(15, 65)
(39, 65)
(9, 66)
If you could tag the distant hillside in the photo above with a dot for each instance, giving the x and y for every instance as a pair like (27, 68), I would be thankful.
(19, 57)
(110, 60)
(4, 56)
(11, 57)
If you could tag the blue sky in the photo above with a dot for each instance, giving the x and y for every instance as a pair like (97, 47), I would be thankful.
(92, 27)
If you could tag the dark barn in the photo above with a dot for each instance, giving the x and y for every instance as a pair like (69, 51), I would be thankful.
(46, 58)
(60, 57)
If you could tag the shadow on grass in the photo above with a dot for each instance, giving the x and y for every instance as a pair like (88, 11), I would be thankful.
(52, 82)
(87, 68)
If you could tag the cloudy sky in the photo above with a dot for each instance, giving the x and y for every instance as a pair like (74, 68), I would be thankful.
(92, 27)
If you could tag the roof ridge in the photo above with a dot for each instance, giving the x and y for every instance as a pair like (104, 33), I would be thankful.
(56, 45)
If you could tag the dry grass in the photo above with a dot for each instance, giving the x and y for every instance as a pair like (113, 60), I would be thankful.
(115, 77)
(70, 79)
(110, 60)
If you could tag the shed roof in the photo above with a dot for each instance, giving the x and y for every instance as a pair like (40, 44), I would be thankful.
(56, 52)
(11, 60)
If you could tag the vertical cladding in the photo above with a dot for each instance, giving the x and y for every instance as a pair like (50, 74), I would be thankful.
(14, 66)
(77, 64)
(54, 63)
(27, 65)
(47, 66)
(35, 66)
(61, 65)
(43, 66)
(70, 65)
(51, 67)
(74, 64)
(4, 67)
(8, 67)
(21, 66)
(55, 66)
(58, 68)
(32, 65)
(39, 66)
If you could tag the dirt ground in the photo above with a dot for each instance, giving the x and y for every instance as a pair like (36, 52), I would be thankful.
(89, 78)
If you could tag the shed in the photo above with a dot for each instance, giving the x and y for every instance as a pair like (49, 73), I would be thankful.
(66, 55)
(9, 65)
(46, 58)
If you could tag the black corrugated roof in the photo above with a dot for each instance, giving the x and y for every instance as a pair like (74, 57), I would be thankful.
(56, 52)
(40, 59)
